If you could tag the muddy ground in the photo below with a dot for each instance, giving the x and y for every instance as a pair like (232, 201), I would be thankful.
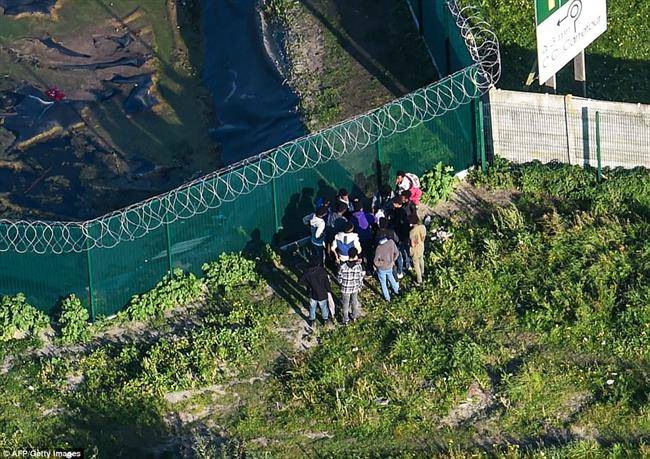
(101, 105)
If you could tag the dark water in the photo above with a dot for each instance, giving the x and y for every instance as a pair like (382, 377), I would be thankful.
(255, 110)
(14, 7)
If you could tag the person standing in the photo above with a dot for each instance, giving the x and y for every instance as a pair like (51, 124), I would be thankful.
(381, 202)
(344, 197)
(407, 181)
(363, 222)
(343, 242)
(386, 255)
(402, 227)
(317, 228)
(418, 235)
(335, 223)
(408, 205)
(350, 278)
(385, 231)
(318, 283)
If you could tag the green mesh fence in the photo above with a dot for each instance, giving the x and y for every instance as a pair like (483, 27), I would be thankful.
(261, 200)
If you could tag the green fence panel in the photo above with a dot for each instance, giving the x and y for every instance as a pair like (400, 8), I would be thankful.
(444, 139)
(46, 278)
(245, 223)
(128, 268)
(108, 260)
(434, 15)
(355, 171)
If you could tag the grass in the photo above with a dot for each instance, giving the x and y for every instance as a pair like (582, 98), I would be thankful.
(530, 337)
(616, 62)
(542, 305)
(110, 399)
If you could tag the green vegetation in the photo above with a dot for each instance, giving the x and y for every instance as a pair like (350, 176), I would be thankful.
(231, 270)
(533, 326)
(175, 289)
(110, 399)
(531, 336)
(438, 184)
(616, 62)
(278, 9)
(18, 318)
(73, 320)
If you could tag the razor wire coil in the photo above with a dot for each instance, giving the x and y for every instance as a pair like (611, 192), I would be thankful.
(228, 184)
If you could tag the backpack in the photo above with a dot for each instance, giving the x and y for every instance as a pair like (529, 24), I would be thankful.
(344, 246)
(415, 181)
(360, 221)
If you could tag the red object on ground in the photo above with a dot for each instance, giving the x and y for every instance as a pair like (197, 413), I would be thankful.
(55, 94)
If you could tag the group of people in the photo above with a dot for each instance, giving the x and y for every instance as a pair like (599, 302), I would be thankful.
(386, 239)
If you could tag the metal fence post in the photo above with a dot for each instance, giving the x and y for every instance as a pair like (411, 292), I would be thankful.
(170, 259)
(91, 295)
(600, 164)
(480, 135)
(379, 166)
(276, 216)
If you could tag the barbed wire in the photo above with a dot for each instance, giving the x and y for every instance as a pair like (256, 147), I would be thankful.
(228, 184)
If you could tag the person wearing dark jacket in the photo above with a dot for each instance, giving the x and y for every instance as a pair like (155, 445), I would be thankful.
(381, 201)
(408, 205)
(318, 283)
(344, 197)
(336, 221)
(402, 227)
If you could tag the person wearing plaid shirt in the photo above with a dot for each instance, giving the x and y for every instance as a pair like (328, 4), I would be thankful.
(350, 278)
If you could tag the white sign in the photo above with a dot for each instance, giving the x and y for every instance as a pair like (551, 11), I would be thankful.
(566, 32)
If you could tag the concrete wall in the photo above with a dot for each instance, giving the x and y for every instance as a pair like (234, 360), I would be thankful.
(528, 126)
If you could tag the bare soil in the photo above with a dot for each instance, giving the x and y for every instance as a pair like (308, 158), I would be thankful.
(350, 56)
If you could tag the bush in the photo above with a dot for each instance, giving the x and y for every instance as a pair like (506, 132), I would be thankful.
(499, 175)
(174, 290)
(438, 184)
(17, 317)
(231, 270)
(75, 327)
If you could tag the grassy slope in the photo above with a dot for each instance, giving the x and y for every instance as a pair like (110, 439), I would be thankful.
(530, 334)
(532, 331)
(617, 62)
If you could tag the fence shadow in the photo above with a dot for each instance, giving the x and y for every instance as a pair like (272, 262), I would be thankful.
(364, 29)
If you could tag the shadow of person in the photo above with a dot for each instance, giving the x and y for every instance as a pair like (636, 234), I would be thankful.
(283, 280)
(325, 191)
(300, 205)
(255, 245)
